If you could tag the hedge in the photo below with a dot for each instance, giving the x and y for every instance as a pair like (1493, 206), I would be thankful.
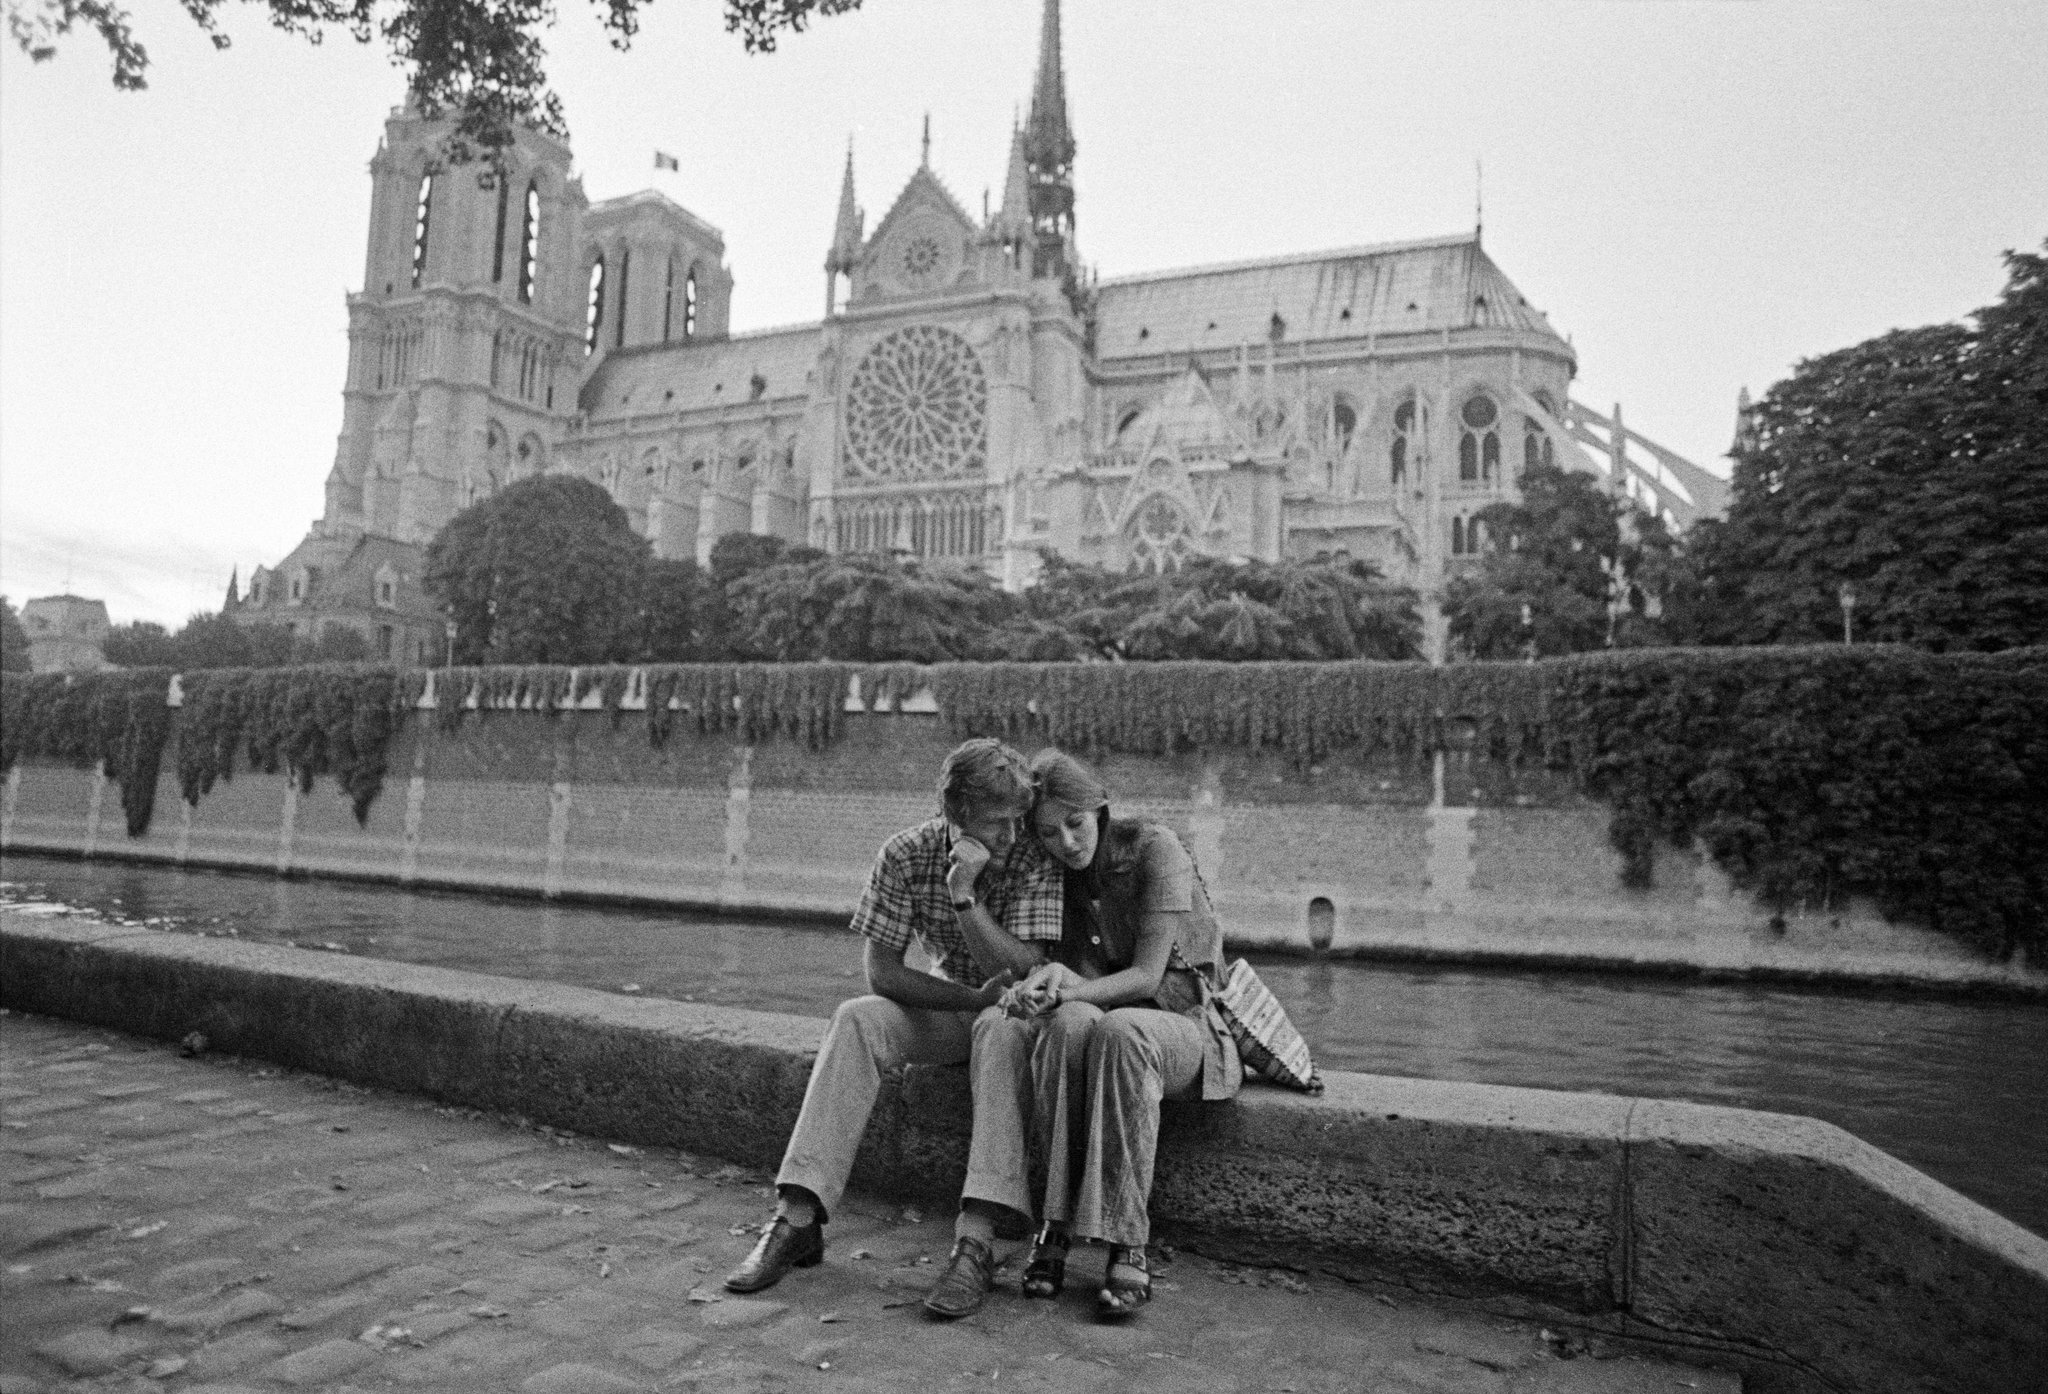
(1810, 774)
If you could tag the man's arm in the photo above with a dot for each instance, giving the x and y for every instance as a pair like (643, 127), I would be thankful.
(889, 976)
(993, 947)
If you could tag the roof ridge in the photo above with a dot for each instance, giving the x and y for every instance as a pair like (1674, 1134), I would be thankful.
(1295, 259)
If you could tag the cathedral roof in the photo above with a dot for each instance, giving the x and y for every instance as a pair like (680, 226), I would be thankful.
(1393, 288)
(703, 373)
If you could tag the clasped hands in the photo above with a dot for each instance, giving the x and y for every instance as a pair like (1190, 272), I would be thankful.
(1039, 992)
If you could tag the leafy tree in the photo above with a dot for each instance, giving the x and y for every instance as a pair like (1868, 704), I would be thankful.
(545, 571)
(482, 59)
(1912, 468)
(1209, 608)
(336, 643)
(676, 604)
(217, 641)
(141, 644)
(868, 609)
(13, 640)
(1569, 568)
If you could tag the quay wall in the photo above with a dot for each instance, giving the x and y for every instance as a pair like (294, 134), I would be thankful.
(1465, 860)
(1781, 1245)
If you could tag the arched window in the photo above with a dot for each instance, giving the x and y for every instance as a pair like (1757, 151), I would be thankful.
(529, 244)
(625, 267)
(690, 304)
(1468, 536)
(1457, 537)
(594, 315)
(1343, 423)
(1479, 442)
(498, 242)
(1403, 446)
(421, 217)
(1536, 447)
(668, 297)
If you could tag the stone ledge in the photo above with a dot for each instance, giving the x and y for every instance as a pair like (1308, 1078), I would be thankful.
(1812, 1257)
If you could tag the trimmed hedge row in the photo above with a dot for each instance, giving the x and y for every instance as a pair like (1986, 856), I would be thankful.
(1810, 774)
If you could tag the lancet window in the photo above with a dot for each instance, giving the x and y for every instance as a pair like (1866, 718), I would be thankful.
(594, 315)
(498, 241)
(690, 304)
(1401, 450)
(625, 267)
(668, 298)
(1479, 441)
(529, 244)
(422, 219)
(1536, 447)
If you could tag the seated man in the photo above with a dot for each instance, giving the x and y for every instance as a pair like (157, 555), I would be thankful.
(983, 902)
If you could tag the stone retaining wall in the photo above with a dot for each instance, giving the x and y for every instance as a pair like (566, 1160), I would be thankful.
(1781, 1243)
(1466, 861)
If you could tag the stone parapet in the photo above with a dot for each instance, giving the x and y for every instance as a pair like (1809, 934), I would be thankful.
(1786, 1245)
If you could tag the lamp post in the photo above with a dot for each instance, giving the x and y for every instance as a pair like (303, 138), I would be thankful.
(1847, 595)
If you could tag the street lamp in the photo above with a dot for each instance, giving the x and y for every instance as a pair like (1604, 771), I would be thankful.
(1847, 595)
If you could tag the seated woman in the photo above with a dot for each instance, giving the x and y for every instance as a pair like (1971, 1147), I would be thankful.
(1122, 1023)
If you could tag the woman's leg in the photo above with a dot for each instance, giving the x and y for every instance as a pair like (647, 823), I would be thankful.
(1136, 1057)
(1059, 1066)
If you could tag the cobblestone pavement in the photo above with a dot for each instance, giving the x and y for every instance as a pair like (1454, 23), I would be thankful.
(217, 1225)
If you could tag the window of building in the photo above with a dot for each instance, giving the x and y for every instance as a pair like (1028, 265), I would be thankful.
(1536, 447)
(1479, 442)
(1343, 423)
(594, 316)
(625, 269)
(529, 244)
(668, 298)
(387, 590)
(422, 217)
(1403, 444)
(498, 242)
(384, 637)
(297, 593)
(690, 304)
(1467, 536)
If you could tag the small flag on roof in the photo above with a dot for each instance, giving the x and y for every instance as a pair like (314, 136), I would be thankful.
(664, 160)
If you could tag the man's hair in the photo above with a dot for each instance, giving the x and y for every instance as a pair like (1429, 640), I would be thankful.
(980, 775)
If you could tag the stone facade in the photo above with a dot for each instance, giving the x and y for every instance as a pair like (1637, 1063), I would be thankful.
(66, 634)
(973, 393)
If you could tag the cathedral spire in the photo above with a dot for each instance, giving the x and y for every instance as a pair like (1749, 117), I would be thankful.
(846, 235)
(1049, 157)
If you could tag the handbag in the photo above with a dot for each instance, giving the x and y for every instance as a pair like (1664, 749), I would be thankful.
(1266, 1040)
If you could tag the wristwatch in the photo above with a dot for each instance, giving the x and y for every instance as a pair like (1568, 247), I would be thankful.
(963, 905)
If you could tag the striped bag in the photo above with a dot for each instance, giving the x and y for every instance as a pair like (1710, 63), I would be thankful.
(1266, 1040)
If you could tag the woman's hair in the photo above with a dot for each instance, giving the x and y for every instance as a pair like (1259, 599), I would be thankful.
(982, 775)
(1058, 775)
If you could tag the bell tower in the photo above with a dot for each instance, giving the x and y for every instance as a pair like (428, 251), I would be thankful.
(464, 341)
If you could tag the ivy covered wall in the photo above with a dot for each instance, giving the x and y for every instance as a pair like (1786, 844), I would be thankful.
(1810, 775)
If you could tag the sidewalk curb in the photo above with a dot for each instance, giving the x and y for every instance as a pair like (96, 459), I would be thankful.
(1813, 1258)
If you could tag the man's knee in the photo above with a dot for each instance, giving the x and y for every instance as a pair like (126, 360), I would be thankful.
(998, 1035)
(864, 1019)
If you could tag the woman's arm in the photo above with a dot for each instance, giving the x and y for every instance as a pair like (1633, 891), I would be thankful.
(1157, 931)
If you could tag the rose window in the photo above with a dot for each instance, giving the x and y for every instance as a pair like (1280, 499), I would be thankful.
(918, 406)
(921, 257)
(1159, 534)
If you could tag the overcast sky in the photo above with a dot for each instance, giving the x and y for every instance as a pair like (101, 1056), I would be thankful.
(1698, 192)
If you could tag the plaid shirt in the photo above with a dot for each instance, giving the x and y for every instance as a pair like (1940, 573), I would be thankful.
(906, 898)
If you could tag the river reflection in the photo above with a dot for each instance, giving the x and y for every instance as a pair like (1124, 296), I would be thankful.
(1952, 1087)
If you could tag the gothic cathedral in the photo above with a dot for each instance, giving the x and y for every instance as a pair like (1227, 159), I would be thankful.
(974, 393)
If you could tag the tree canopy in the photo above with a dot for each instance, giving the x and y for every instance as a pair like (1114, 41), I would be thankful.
(13, 640)
(1566, 569)
(480, 59)
(548, 570)
(1911, 468)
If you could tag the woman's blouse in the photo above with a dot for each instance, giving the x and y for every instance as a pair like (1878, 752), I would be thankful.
(1144, 868)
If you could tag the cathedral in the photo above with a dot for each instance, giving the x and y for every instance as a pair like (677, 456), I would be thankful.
(974, 394)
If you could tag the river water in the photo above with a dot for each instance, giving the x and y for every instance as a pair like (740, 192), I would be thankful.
(1953, 1087)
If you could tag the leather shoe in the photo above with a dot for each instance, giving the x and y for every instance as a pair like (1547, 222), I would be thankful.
(964, 1285)
(782, 1247)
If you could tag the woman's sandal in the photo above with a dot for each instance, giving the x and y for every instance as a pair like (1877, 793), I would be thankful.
(1122, 1295)
(1046, 1273)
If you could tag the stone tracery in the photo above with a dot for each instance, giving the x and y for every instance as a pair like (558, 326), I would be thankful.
(917, 407)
